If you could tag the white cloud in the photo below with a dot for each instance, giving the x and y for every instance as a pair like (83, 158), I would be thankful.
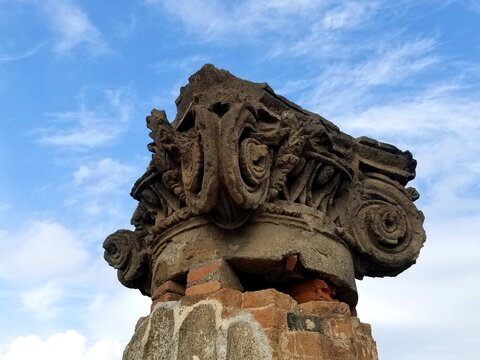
(113, 314)
(441, 128)
(46, 270)
(101, 185)
(285, 28)
(91, 125)
(215, 20)
(347, 15)
(197, 14)
(104, 176)
(437, 296)
(186, 66)
(403, 91)
(392, 65)
(61, 346)
(43, 300)
(72, 27)
(352, 83)
(40, 251)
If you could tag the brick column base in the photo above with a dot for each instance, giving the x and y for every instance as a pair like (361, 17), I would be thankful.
(230, 325)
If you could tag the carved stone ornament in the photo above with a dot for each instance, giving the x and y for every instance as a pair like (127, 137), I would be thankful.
(246, 176)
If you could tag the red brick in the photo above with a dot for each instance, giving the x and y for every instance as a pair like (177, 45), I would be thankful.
(273, 335)
(227, 297)
(266, 316)
(170, 297)
(230, 299)
(364, 329)
(340, 328)
(339, 350)
(287, 343)
(267, 297)
(168, 287)
(311, 290)
(302, 345)
(291, 262)
(202, 272)
(203, 289)
(325, 309)
(366, 350)
(308, 344)
(165, 297)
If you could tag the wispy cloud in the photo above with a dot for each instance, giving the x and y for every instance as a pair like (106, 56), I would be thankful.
(401, 89)
(42, 301)
(8, 58)
(72, 27)
(441, 127)
(347, 15)
(216, 20)
(92, 125)
(473, 5)
(437, 120)
(352, 81)
(99, 182)
(184, 66)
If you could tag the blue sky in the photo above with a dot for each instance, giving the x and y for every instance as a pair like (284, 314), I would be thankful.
(77, 79)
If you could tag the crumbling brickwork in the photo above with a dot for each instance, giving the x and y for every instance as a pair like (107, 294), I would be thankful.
(264, 324)
(255, 217)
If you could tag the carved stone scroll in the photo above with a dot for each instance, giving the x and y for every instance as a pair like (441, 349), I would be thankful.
(245, 176)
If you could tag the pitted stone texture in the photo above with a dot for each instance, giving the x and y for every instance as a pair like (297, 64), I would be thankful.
(153, 337)
(242, 343)
(135, 348)
(289, 182)
(229, 325)
(198, 335)
(246, 178)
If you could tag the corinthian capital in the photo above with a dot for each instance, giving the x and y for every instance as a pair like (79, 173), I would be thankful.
(246, 176)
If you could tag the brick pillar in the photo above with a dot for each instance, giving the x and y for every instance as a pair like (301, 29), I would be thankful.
(229, 325)
(245, 178)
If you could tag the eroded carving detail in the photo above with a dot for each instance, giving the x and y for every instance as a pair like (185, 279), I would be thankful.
(237, 149)
(125, 253)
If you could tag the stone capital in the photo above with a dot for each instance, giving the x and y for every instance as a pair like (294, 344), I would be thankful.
(248, 177)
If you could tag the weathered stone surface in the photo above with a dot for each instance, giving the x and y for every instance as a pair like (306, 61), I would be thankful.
(247, 190)
(158, 345)
(198, 335)
(153, 339)
(135, 349)
(269, 325)
(242, 343)
(289, 182)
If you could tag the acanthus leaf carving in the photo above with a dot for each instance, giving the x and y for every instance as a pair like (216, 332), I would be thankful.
(239, 155)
